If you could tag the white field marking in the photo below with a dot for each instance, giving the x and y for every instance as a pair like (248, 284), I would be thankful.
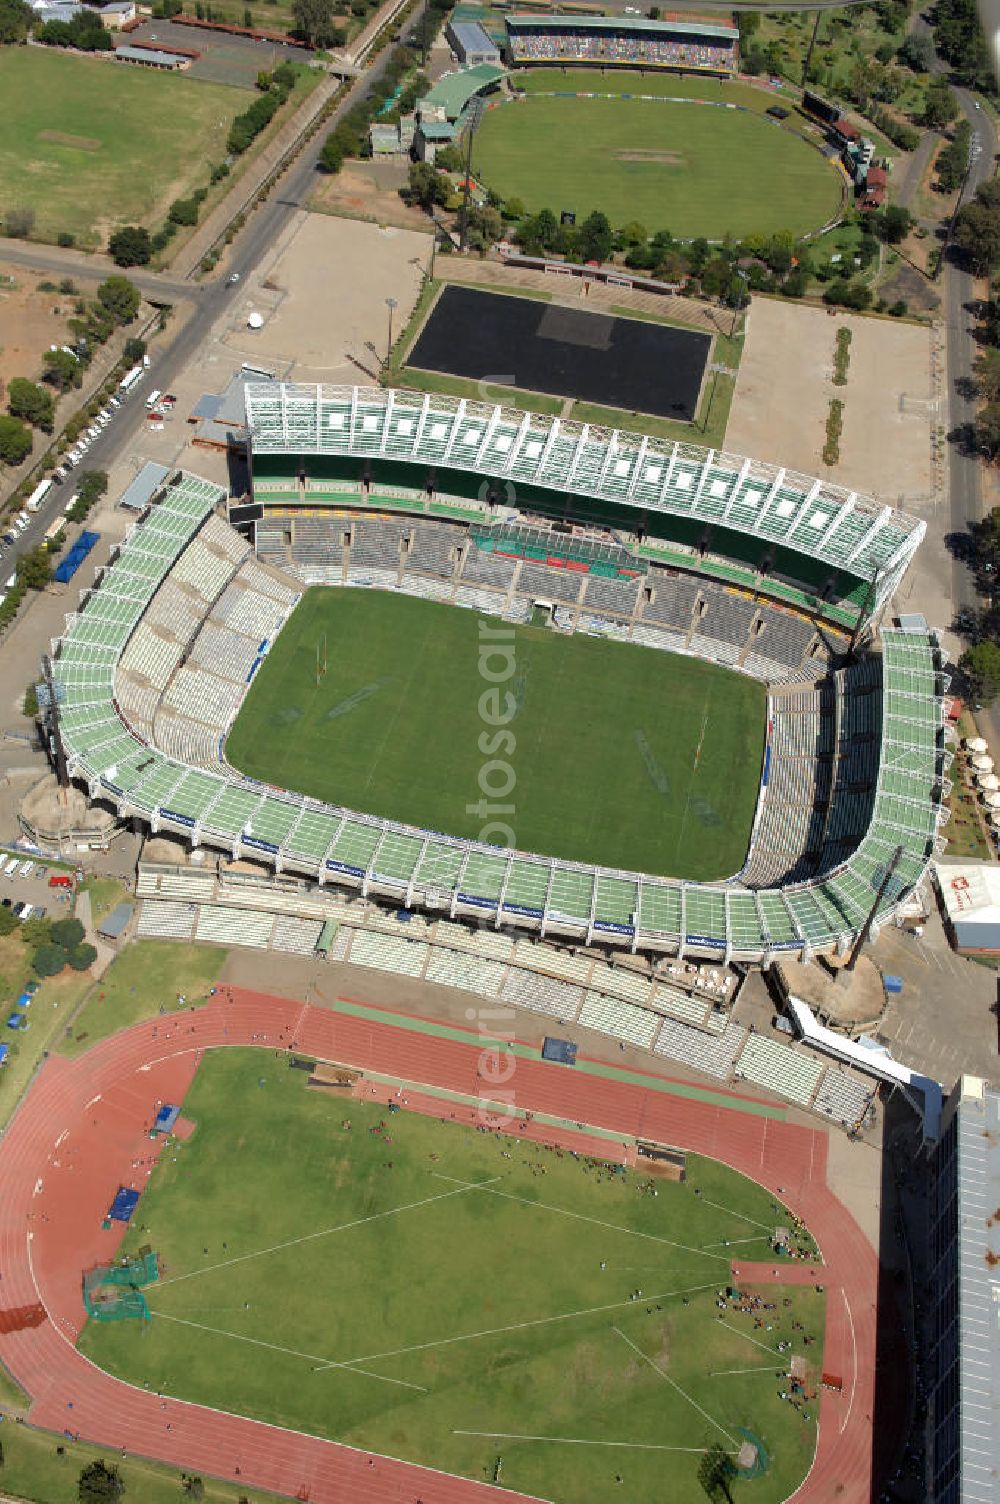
(758, 1237)
(274, 1347)
(93, 1101)
(61, 1139)
(854, 1365)
(517, 1326)
(309, 1237)
(264, 1427)
(741, 1333)
(719, 1373)
(582, 1441)
(674, 1385)
(579, 1217)
(740, 1217)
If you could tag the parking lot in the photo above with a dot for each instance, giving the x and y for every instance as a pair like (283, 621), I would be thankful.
(32, 888)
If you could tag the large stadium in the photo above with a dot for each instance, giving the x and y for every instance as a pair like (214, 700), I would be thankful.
(537, 527)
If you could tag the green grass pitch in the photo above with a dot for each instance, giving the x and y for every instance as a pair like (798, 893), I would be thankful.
(89, 144)
(622, 755)
(461, 1291)
(691, 168)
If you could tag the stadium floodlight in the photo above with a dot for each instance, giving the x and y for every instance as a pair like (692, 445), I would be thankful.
(392, 304)
(473, 116)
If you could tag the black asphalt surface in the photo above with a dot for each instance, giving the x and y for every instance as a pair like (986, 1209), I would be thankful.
(563, 352)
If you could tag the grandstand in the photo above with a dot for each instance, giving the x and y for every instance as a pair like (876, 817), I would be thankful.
(688, 46)
(144, 709)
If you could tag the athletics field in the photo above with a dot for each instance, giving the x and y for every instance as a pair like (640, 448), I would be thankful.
(420, 1289)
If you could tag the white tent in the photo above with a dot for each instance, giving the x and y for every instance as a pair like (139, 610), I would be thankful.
(993, 800)
(256, 321)
(974, 744)
(988, 782)
(982, 763)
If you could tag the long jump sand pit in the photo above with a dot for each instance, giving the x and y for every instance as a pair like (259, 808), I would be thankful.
(322, 293)
(785, 387)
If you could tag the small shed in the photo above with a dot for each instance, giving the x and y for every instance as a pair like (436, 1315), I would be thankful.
(113, 926)
(139, 492)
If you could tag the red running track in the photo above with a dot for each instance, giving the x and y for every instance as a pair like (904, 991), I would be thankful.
(83, 1130)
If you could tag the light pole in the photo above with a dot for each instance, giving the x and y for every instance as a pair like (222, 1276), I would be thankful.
(392, 304)
(473, 117)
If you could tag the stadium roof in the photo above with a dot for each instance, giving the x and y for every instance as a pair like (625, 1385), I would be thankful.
(453, 91)
(420, 867)
(472, 35)
(812, 516)
(978, 1234)
(626, 23)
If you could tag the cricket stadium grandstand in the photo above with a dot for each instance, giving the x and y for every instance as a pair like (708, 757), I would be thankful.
(518, 517)
(688, 45)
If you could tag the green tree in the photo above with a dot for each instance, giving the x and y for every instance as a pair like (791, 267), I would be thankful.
(82, 957)
(715, 276)
(49, 961)
(15, 21)
(28, 400)
(130, 246)
(953, 160)
(331, 158)
(8, 924)
(34, 569)
(314, 22)
(426, 186)
(67, 933)
(120, 297)
(594, 238)
(977, 234)
(62, 369)
(917, 52)
(183, 211)
(981, 667)
(514, 208)
(100, 1484)
(714, 1473)
(15, 440)
(940, 106)
(893, 224)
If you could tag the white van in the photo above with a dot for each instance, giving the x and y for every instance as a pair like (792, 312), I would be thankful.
(11, 867)
(9, 584)
(27, 869)
(153, 398)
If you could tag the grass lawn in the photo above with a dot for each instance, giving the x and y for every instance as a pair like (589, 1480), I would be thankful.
(423, 1289)
(89, 144)
(624, 755)
(51, 1005)
(45, 1468)
(685, 167)
(146, 975)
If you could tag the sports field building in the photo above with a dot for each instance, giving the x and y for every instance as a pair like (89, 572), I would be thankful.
(689, 46)
(522, 519)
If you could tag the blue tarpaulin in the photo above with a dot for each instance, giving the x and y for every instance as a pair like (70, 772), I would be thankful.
(4, 1052)
(166, 1118)
(67, 568)
(124, 1204)
(17, 1021)
(561, 1050)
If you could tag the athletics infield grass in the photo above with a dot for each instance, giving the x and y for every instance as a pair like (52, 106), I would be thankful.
(476, 1293)
(678, 162)
(616, 754)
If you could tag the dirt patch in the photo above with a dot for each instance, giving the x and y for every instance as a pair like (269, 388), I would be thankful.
(370, 190)
(30, 321)
(81, 143)
(662, 158)
(785, 387)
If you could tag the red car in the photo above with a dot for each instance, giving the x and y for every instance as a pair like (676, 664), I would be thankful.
(60, 880)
